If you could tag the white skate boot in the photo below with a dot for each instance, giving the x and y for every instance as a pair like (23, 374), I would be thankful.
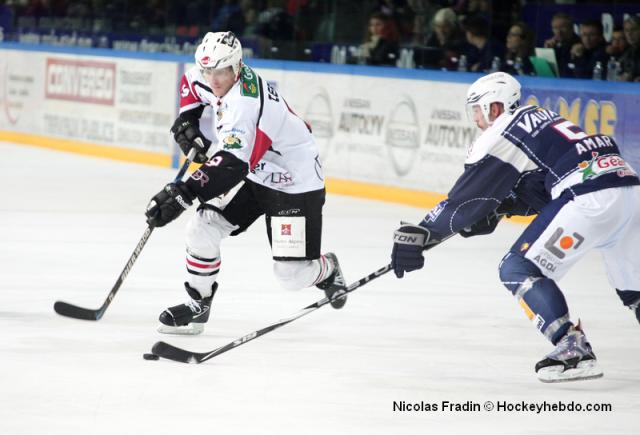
(572, 360)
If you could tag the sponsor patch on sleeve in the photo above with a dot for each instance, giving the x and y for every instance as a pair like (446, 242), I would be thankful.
(436, 211)
(248, 82)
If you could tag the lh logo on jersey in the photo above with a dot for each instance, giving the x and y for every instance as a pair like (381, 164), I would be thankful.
(232, 142)
(184, 92)
(285, 229)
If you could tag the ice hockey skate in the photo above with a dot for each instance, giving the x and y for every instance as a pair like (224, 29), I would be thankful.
(334, 283)
(572, 360)
(188, 318)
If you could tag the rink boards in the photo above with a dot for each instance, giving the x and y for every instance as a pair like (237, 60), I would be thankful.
(383, 133)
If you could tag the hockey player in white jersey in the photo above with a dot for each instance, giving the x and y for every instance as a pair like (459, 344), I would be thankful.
(529, 160)
(265, 162)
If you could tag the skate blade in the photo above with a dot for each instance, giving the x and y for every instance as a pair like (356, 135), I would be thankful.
(584, 371)
(191, 329)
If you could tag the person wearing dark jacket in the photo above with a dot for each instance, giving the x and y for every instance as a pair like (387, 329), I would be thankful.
(591, 49)
(381, 47)
(562, 40)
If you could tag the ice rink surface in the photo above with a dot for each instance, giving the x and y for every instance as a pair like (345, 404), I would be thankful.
(450, 332)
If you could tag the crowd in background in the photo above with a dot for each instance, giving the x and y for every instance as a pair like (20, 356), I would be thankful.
(464, 35)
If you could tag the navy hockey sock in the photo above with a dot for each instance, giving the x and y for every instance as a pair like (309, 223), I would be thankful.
(539, 296)
(631, 299)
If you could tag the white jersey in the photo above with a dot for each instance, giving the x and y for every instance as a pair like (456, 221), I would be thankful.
(256, 125)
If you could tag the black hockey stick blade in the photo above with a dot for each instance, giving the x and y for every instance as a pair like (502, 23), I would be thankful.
(69, 310)
(76, 312)
(168, 351)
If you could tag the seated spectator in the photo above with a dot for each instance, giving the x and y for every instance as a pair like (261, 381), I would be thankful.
(6, 18)
(274, 23)
(381, 46)
(478, 32)
(449, 38)
(520, 41)
(562, 40)
(618, 44)
(630, 60)
(589, 51)
(229, 17)
(400, 12)
(250, 14)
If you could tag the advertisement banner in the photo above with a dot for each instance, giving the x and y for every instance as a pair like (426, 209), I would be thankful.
(596, 110)
(400, 128)
(403, 133)
(126, 103)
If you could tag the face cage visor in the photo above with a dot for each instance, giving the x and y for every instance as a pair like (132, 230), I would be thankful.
(476, 113)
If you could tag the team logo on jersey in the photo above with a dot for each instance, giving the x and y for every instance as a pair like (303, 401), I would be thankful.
(184, 91)
(249, 82)
(524, 246)
(232, 142)
(285, 229)
(598, 166)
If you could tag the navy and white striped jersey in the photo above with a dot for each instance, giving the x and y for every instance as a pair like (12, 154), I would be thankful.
(533, 156)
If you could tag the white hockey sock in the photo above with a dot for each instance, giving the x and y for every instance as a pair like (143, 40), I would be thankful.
(296, 275)
(202, 273)
(326, 269)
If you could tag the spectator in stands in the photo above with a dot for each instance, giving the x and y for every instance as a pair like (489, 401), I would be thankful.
(423, 19)
(6, 18)
(630, 60)
(488, 53)
(36, 9)
(229, 17)
(381, 45)
(449, 38)
(274, 23)
(400, 12)
(520, 41)
(589, 51)
(250, 13)
(618, 44)
(79, 9)
(562, 40)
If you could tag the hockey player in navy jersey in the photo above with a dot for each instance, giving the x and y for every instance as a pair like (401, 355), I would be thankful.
(530, 160)
(265, 162)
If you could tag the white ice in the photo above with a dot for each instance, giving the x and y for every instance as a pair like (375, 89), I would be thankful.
(449, 332)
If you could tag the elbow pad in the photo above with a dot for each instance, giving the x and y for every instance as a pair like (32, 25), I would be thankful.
(217, 176)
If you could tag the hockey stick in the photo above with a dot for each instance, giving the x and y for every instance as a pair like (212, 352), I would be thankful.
(168, 351)
(76, 312)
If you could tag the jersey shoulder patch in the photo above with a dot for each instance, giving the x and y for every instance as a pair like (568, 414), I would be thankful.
(249, 83)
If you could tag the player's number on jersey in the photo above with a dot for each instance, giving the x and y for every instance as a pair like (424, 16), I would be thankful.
(271, 93)
(569, 130)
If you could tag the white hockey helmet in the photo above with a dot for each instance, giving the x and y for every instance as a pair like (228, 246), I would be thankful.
(498, 87)
(219, 50)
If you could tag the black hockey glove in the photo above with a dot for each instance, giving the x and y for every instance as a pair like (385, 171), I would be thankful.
(168, 204)
(484, 226)
(408, 243)
(188, 135)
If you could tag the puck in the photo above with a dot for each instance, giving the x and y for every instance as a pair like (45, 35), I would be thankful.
(151, 356)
